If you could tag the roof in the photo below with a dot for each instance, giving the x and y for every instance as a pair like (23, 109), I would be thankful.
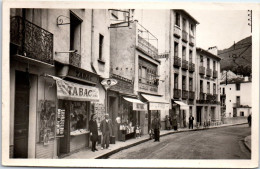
(236, 80)
(207, 53)
(188, 15)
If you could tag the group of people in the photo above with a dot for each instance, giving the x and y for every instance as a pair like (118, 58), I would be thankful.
(106, 130)
(172, 122)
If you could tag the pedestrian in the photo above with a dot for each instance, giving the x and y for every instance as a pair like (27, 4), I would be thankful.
(156, 125)
(106, 129)
(175, 123)
(191, 118)
(249, 118)
(167, 123)
(93, 131)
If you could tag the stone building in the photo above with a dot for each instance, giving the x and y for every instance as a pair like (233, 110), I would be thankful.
(57, 59)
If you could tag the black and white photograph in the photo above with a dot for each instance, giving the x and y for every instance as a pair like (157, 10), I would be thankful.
(130, 85)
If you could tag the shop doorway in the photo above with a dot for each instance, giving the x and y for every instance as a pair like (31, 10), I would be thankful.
(112, 114)
(198, 115)
(21, 116)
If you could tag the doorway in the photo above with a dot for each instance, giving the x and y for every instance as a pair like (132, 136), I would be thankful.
(21, 114)
(112, 114)
(198, 115)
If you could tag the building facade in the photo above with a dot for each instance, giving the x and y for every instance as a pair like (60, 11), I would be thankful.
(236, 97)
(207, 93)
(57, 61)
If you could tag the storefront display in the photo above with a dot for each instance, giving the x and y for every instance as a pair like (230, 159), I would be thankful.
(60, 122)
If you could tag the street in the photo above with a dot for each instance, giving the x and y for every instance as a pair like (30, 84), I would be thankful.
(219, 143)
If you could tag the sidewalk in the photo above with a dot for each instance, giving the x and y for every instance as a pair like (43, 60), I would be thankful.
(247, 142)
(119, 146)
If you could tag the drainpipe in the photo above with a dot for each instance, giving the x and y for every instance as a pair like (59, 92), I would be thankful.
(92, 40)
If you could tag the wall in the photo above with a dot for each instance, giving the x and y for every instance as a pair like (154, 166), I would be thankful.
(234, 120)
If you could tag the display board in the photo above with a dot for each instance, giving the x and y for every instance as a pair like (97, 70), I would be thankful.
(60, 122)
(99, 110)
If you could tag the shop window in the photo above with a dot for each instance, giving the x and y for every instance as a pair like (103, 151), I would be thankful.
(78, 116)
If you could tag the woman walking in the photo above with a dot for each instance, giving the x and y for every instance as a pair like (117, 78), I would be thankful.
(93, 132)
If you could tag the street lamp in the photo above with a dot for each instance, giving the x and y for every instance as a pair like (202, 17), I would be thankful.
(107, 83)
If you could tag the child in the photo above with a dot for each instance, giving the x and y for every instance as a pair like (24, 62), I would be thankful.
(138, 132)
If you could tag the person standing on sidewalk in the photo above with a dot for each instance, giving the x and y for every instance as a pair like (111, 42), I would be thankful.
(191, 118)
(156, 125)
(93, 132)
(249, 119)
(106, 129)
(167, 123)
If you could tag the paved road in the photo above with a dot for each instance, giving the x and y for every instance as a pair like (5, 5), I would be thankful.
(218, 143)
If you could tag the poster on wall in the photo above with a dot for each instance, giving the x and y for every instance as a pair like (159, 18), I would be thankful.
(99, 110)
(47, 110)
(60, 122)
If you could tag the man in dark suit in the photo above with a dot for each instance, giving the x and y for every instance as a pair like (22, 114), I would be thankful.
(191, 118)
(156, 125)
(93, 132)
(106, 129)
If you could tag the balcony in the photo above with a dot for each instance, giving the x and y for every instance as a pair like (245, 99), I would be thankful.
(30, 40)
(236, 105)
(202, 96)
(185, 94)
(146, 47)
(177, 61)
(191, 67)
(75, 59)
(184, 36)
(191, 95)
(191, 40)
(215, 97)
(202, 70)
(176, 93)
(177, 31)
(209, 72)
(185, 64)
(215, 74)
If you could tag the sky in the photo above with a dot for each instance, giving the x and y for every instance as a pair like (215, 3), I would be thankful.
(216, 28)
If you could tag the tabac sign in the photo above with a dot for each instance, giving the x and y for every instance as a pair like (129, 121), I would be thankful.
(73, 91)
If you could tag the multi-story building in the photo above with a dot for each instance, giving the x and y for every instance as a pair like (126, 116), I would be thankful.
(207, 93)
(179, 72)
(236, 97)
(70, 47)
(135, 99)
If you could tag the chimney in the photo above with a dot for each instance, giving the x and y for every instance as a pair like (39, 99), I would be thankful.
(246, 79)
(213, 50)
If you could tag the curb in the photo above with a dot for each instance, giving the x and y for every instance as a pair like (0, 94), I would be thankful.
(246, 144)
(106, 155)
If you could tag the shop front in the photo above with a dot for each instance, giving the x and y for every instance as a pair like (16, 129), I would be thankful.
(155, 105)
(180, 113)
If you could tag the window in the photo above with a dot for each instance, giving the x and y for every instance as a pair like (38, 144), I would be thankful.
(101, 39)
(238, 100)
(208, 87)
(75, 32)
(223, 90)
(201, 60)
(184, 24)
(190, 56)
(238, 86)
(177, 19)
(184, 53)
(214, 65)
(241, 113)
(214, 88)
(201, 86)
(192, 29)
(190, 110)
(176, 46)
(144, 74)
(190, 84)
(176, 77)
(208, 63)
(183, 82)
(140, 73)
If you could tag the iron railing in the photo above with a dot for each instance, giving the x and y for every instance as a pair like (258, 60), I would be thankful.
(191, 67)
(184, 36)
(191, 40)
(177, 31)
(202, 70)
(215, 74)
(191, 95)
(177, 61)
(146, 47)
(209, 72)
(176, 93)
(75, 59)
(185, 94)
(185, 65)
(31, 40)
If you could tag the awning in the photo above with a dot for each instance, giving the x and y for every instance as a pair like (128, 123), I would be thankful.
(156, 102)
(137, 104)
(72, 91)
(154, 99)
(183, 106)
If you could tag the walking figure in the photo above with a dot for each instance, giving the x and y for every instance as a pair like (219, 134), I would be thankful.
(191, 118)
(156, 125)
(249, 118)
(106, 129)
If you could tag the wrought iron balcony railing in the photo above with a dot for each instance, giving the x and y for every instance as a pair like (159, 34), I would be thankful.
(236, 104)
(75, 59)
(176, 93)
(185, 65)
(202, 70)
(215, 97)
(177, 61)
(146, 47)
(191, 67)
(215, 74)
(191, 95)
(184, 36)
(209, 72)
(185, 94)
(191, 40)
(202, 96)
(31, 40)
(177, 31)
